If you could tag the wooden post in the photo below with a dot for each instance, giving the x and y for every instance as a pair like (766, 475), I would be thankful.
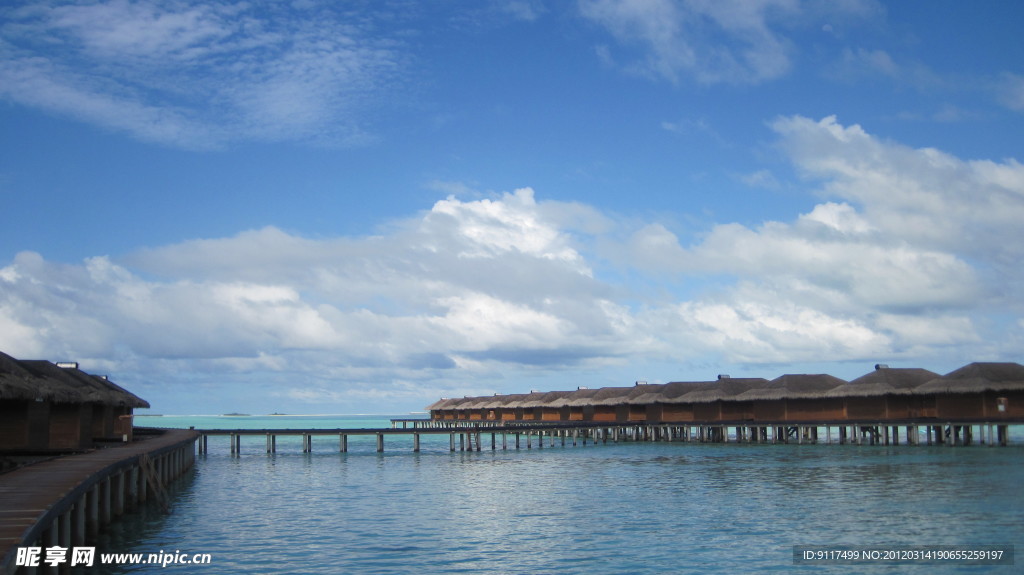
(64, 536)
(118, 494)
(78, 522)
(380, 443)
(416, 443)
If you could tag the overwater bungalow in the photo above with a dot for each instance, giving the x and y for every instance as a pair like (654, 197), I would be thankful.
(978, 392)
(58, 407)
(975, 391)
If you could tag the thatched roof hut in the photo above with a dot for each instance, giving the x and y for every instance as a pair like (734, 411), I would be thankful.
(724, 389)
(645, 394)
(40, 380)
(439, 404)
(581, 397)
(976, 378)
(884, 380)
(793, 386)
(612, 396)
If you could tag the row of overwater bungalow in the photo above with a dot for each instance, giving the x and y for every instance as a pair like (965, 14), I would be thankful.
(976, 392)
(54, 407)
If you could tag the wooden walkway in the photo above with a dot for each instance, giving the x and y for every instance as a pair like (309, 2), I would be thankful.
(472, 434)
(33, 498)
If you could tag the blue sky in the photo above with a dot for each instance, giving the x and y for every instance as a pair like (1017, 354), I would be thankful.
(360, 207)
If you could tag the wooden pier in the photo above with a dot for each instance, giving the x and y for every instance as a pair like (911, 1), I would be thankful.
(65, 501)
(473, 435)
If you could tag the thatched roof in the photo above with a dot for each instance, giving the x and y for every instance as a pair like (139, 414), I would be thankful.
(793, 386)
(581, 397)
(439, 404)
(977, 377)
(725, 389)
(645, 393)
(623, 395)
(542, 399)
(884, 380)
(972, 378)
(30, 380)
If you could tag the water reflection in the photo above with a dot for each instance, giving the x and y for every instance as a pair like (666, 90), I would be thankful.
(637, 508)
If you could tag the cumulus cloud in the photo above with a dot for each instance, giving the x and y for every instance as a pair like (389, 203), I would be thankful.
(467, 285)
(197, 75)
(910, 253)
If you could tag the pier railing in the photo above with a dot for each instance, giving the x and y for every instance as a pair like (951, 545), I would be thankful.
(65, 501)
(473, 435)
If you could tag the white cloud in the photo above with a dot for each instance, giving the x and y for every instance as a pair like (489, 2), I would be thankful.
(917, 249)
(1010, 91)
(742, 48)
(734, 41)
(925, 197)
(197, 75)
(912, 253)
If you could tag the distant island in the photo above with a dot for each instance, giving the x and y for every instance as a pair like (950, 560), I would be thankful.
(235, 415)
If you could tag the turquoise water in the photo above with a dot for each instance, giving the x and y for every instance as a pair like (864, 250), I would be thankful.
(613, 508)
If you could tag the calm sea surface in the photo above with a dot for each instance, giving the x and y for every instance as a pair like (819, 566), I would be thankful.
(612, 508)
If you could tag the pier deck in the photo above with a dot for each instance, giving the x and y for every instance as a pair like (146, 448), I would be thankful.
(34, 498)
(470, 433)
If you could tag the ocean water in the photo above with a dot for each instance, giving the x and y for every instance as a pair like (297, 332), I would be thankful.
(633, 508)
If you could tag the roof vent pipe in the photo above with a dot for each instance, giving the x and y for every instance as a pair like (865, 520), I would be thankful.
(879, 366)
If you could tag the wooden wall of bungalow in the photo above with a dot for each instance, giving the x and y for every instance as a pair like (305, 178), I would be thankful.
(54, 407)
(978, 391)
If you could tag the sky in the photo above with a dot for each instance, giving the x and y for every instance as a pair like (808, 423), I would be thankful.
(364, 206)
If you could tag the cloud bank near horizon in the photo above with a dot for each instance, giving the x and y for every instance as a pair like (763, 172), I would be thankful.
(908, 254)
